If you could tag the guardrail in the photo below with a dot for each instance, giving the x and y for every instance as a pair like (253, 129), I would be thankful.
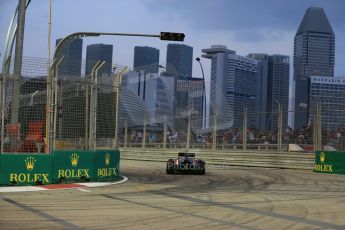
(61, 166)
(226, 157)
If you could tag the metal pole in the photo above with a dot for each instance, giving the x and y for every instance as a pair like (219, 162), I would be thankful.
(165, 132)
(281, 129)
(204, 92)
(144, 131)
(49, 83)
(55, 93)
(117, 86)
(279, 125)
(319, 141)
(316, 128)
(3, 99)
(188, 130)
(60, 111)
(317, 131)
(118, 82)
(49, 103)
(93, 110)
(214, 134)
(126, 133)
(2, 107)
(18, 58)
(244, 132)
(87, 112)
(49, 28)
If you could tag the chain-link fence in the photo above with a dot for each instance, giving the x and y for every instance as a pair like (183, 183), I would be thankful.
(80, 112)
(276, 135)
(160, 111)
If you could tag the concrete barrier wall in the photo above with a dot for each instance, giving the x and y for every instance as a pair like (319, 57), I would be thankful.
(25, 169)
(245, 158)
(330, 162)
(29, 169)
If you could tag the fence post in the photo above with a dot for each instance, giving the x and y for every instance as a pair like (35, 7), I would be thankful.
(126, 133)
(214, 133)
(93, 106)
(55, 85)
(165, 132)
(117, 87)
(18, 60)
(319, 130)
(118, 81)
(49, 107)
(87, 112)
(144, 131)
(317, 138)
(280, 139)
(279, 125)
(188, 130)
(244, 132)
(3, 100)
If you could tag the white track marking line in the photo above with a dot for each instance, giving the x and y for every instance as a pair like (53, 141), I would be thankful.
(21, 189)
(100, 184)
(35, 188)
(83, 190)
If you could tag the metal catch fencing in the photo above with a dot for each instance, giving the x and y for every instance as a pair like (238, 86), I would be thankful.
(241, 133)
(64, 112)
(96, 110)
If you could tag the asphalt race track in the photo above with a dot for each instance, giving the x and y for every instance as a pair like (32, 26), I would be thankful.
(225, 198)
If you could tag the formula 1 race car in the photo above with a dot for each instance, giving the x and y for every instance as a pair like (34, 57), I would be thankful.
(186, 163)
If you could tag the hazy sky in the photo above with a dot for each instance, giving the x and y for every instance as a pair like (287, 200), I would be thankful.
(246, 26)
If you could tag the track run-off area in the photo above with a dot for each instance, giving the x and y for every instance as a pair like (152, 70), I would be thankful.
(227, 197)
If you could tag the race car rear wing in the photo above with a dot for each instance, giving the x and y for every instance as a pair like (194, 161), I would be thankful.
(186, 154)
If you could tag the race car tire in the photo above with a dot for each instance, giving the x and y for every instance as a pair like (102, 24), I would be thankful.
(170, 167)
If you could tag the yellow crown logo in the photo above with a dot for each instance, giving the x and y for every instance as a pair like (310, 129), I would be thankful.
(30, 163)
(107, 159)
(74, 159)
(322, 157)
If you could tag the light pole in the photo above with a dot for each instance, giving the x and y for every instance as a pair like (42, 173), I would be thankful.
(169, 36)
(204, 92)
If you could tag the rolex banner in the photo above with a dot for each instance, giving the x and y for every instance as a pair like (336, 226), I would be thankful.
(31, 169)
(73, 165)
(106, 165)
(330, 162)
(25, 169)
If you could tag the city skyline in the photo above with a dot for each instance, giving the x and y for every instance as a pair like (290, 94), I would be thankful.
(269, 37)
(271, 33)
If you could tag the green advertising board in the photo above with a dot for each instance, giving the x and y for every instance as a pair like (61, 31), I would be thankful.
(332, 162)
(25, 169)
(106, 165)
(30, 169)
(73, 165)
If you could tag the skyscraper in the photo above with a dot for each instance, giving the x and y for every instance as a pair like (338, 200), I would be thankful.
(233, 87)
(179, 60)
(272, 88)
(188, 98)
(146, 58)
(313, 56)
(99, 52)
(330, 92)
(261, 89)
(72, 53)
